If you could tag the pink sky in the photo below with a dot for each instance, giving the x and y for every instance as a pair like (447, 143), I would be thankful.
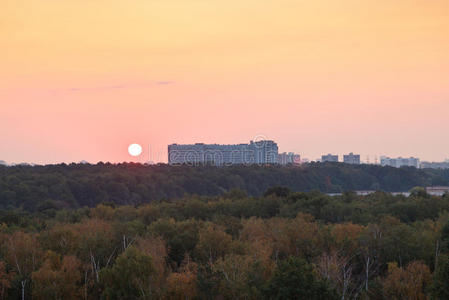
(81, 80)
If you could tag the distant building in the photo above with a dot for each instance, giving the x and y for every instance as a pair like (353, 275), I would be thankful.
(399, 162)
(260, 152)
(351, 158)
(296, 159)
(365, 192)
(3, 163)
(437, 190)
(289, 158)
(435, 165)
(329, 158)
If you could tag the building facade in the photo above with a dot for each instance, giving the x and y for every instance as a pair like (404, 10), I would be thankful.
(435, 165)
(260, 152)
(329, 158)
(399, 162)
(289, 158)
(351, 158)
(437, 190)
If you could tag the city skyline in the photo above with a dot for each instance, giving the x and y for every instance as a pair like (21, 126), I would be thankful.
(147, 154)
(83, 80)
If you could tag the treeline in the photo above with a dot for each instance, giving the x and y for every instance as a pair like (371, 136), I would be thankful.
(78, 185)
(282, 245)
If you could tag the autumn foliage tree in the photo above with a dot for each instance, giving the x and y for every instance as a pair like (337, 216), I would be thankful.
(409, 283)
(24, 255)
(284, 245)
(182, 285)
(57, 278)
(213, 243)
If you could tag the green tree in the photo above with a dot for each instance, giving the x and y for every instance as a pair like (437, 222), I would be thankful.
(418, 191)
(130, 277)
(279, 191)
(445, 237)
(440, 286)
(294, 279)
(213, 243)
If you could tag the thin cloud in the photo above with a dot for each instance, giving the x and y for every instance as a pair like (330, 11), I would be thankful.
(101, 88)
(114, 87)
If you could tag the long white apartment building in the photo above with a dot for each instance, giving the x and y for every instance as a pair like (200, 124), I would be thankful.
(399, 162)
(260, 152)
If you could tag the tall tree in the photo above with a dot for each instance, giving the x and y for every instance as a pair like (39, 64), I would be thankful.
(295, 279)
(407, 283)
(440, 286)
(24, 254)
(5, 280)
(57, 278)
(213, 243)
(130, 277)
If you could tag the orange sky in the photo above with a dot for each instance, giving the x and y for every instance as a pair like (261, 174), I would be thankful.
(83, 79)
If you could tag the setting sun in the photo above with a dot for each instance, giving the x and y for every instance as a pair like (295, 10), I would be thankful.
(135, 149)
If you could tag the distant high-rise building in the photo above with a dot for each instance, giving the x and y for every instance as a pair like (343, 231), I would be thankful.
(351, 158)
(289, 158)
(329, 158)
(399, 162)
(260, 152)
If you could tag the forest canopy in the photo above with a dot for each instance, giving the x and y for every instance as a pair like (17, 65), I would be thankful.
(281, 245)
(77, 185)
(131, 231)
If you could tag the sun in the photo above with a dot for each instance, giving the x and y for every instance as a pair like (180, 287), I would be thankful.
(134, 149)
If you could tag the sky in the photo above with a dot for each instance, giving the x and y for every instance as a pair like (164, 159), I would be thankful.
(83, 79)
